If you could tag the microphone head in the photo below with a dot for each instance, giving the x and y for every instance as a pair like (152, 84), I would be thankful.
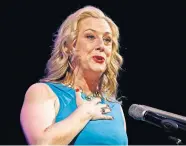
(137, 111)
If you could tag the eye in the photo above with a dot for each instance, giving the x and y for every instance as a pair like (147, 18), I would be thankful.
(108, 40)
(91, 37)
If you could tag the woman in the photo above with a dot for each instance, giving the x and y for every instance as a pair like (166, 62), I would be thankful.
(76, 102)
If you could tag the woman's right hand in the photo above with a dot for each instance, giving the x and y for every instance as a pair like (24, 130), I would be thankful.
(93, 108)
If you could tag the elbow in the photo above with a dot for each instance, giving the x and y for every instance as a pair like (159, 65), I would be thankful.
(41, 140)
(44, 140)
(38, 142)
(49, 140)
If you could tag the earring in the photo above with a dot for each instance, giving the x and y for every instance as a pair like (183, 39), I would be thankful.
(69, 60)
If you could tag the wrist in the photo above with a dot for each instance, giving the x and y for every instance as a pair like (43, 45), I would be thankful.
(85, 114)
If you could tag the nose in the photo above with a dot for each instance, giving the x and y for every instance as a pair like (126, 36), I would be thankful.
(100, 45)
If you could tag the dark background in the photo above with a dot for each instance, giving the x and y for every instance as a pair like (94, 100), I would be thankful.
(152, 44)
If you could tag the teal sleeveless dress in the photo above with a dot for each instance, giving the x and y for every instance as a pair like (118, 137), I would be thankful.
(99, 132)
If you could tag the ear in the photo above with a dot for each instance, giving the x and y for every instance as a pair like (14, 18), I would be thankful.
(74, 43)
(69, 46)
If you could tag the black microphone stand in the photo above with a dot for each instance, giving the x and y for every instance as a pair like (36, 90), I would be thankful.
(171, 127)
(176, 140)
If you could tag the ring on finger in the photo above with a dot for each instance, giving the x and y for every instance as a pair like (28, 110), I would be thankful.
(103, 110)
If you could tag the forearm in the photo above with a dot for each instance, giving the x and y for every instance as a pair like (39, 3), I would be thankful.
(64, 131)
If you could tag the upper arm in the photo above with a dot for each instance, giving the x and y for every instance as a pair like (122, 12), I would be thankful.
(125, 127)
(37, 113)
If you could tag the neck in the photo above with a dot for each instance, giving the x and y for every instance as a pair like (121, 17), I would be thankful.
(88, 82)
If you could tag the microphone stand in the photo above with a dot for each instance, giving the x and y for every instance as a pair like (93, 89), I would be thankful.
(176, 140)
(171, 126)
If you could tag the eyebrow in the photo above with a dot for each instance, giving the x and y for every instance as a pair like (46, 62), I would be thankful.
(97, 31)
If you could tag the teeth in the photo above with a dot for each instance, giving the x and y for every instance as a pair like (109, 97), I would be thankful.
(99, 58)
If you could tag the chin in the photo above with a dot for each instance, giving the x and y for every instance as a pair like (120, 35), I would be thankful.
(98, 70)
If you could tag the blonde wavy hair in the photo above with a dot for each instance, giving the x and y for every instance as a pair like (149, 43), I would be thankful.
(59, 68)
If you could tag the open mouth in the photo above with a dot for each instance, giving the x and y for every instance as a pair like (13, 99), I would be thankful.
(98, 59)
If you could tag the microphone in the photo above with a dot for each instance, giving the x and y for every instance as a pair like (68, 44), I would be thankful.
(170, 122)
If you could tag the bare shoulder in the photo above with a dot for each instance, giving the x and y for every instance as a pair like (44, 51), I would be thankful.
(39, 92)
(38, 111)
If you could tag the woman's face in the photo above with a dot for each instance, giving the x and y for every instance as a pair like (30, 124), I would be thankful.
(94, 44)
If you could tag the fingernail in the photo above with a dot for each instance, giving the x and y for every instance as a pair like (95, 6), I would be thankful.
(77, 90)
